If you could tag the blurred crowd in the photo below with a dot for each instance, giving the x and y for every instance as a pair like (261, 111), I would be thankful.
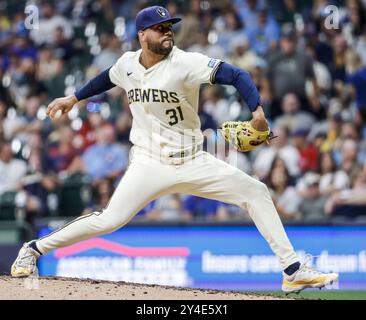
(308, 62)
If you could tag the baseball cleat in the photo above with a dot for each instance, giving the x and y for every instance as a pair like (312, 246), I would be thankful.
(307, 277)
(25, 264)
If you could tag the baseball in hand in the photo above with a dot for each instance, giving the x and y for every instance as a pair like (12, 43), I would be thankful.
(58, 114)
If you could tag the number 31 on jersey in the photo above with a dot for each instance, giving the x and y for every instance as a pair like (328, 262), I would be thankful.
(175, 115)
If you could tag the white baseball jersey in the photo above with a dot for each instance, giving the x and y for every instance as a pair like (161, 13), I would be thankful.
(164, 98)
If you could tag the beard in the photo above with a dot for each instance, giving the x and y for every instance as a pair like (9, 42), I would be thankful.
(159, 48)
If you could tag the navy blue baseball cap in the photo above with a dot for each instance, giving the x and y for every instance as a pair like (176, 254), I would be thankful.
(150, 16)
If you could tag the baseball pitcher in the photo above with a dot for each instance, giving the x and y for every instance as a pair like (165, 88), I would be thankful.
(162, 83)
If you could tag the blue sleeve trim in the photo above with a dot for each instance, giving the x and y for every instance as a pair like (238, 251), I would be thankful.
(230, 75)
(213, 74)
(95, 86)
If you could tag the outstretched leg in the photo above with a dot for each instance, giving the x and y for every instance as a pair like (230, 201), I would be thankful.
(215, 179)
(143, 182)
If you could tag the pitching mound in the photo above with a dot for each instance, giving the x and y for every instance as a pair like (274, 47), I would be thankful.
(53, 288)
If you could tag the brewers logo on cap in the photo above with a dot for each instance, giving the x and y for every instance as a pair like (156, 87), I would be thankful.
(161, 12)
(153, 15)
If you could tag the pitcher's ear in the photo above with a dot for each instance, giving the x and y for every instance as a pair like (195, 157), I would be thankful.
(141, 33)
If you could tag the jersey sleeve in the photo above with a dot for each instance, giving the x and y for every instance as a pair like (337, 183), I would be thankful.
(200, 68)
(116, 72)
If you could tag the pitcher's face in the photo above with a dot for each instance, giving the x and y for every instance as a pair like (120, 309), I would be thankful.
(159, 38)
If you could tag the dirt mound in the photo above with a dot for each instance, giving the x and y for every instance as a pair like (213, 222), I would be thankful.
(46, 288)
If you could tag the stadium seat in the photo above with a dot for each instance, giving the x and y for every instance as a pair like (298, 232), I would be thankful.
(349, 211)
(7, 206)
(74, 195)
(12, 232)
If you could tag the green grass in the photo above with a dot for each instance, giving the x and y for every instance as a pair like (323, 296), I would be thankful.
(324, 295)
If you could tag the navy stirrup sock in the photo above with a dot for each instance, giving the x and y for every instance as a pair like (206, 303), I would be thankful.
(291, 269)
(34, 247)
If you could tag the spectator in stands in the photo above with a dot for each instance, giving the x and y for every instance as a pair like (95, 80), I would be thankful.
(11, 170)
(355, 21)
(49, 66)
(321, 72)
(206, 119)
(348, 157)
(189, 31)
(263, 36)
(215, 104)
(338, 63)
(248, 9)
(218, 148)
(281, 147)
(308, 153)
(23, 80)
(207, 21)
(313, 202)
(111, 51)
(123, 126)
(102, 193)
(2, 134)
(49, 21)
(339, 131)
(205, 47)
(61, 151)
(287, 11)
(9, 119)
(241, 53)
(105, 159)
(28, 123)
(143, 214)
(237, 159)
(330, 129)
(37, 187)
(22, 46)
(349, 203)
(87, 133)
(3, 112)
(31, 184)
(293, 117)
(228, 27)
(356, 77)
(258, 73)
(128, 10)
(168, 208)
(203, 209)
(284, 196)
(233, 213)
(360, 46)
(331, 178)
(64, 48)
(349, 131)
(279, 163)
(288, 72)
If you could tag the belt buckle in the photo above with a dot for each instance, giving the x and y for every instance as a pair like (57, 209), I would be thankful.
(185, 153)
(181, 154)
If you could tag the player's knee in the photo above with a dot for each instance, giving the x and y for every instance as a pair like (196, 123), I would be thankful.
(108, 228)
(261, 188)
(111, 226)
(108, 223)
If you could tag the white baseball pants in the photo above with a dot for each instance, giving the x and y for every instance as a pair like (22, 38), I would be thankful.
(205, 176)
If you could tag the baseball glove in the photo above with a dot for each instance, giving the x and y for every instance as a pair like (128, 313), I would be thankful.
(243, 136)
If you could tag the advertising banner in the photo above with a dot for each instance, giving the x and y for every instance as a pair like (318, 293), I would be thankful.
(215, 257)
